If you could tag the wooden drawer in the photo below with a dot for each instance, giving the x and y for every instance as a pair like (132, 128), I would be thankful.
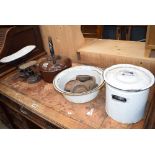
(36, 119)
(17, 112)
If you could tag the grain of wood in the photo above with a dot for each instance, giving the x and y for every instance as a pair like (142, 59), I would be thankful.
(48, 114)
(115, 47)
(150, 40)
(105, 53)
(150, 36)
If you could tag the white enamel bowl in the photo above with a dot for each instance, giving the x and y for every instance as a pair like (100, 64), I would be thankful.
(70, 74)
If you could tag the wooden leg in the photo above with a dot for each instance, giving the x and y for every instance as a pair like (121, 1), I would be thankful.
(147, 52)
(128, 32)
(118, 33)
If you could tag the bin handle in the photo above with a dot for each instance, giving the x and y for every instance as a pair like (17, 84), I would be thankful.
(119, 98)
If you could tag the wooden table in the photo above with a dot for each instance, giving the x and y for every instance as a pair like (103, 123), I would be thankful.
(43, 101)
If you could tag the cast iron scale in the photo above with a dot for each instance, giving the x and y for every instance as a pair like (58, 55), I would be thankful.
(29, 72)
(12, 39)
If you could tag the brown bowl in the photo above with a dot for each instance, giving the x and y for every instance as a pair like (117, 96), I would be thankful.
(49, 71)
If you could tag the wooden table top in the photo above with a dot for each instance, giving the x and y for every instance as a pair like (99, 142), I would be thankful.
(114, 47)
(42, 99)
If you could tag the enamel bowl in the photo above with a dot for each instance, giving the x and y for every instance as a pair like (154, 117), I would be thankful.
(70, 74)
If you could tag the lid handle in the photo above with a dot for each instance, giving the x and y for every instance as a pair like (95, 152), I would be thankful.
(128, 73)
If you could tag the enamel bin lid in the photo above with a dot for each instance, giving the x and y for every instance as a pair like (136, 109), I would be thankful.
(128, 77)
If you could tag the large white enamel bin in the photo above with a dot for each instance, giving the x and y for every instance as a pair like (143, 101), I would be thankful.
(127, 89)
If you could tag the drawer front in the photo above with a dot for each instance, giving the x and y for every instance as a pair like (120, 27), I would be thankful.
(21, 110)
(36, 119)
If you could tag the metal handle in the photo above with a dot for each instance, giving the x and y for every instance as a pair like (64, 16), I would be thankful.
(128, 73)
(119, 98)
(50, 43)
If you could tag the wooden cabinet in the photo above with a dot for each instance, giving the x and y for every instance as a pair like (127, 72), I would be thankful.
(16, 116)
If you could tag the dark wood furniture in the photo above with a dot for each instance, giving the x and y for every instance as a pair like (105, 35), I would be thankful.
(118, 32)
(130, 32)
(92, 31)
(123, 32)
